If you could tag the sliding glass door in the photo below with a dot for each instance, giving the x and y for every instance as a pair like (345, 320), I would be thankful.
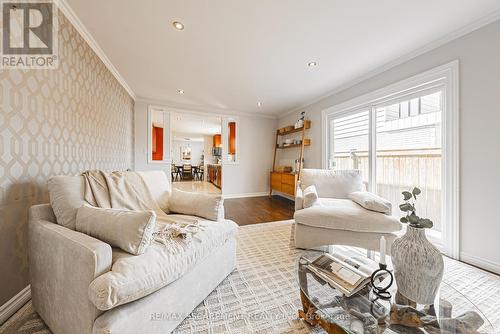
(396, 143)
(349, 142)
(408, 153)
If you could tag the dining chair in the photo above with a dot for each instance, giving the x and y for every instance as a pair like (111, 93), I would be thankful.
(201, 170)
(187, 171)
(194, 172)
(176, 172)
(173, 172)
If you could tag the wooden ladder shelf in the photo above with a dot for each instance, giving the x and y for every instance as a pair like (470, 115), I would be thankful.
(287, 182)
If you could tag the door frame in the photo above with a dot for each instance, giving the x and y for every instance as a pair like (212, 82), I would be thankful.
(225, 118)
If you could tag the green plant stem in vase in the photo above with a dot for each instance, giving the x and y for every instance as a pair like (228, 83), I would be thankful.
(411, 217)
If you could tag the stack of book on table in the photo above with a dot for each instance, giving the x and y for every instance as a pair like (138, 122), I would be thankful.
(346, 274)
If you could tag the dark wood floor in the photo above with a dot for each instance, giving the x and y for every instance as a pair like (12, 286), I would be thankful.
(254, 210)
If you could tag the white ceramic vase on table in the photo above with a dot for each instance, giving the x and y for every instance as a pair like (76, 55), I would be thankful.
(418, 266)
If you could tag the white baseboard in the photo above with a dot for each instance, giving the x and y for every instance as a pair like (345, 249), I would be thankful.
(480, 262)
(14, 304)
(246, 195)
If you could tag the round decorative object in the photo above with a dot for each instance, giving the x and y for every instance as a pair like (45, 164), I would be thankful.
(381, 290)
(418, 266)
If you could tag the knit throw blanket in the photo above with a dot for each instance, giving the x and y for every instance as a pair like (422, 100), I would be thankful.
(128, 191)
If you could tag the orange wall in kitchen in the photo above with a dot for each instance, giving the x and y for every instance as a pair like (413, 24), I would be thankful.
(232, 137)
(157, 143)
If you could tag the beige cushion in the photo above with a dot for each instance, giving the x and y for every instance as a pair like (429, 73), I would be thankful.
(344, 214)
(371, 201)
(207, 206)
(66, 194)
(310, 196)
(66, 197)
(131, 231)
(133, 277)
(159, 186)
(299, 199)
(332, 183)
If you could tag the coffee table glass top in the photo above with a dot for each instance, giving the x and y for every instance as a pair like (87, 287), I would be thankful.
(363, 312)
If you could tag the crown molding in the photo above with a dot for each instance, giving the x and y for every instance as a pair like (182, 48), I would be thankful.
(75, 21)
(181, 107)
(478, 24)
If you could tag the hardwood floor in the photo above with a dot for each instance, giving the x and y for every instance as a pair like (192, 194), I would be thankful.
(254, 210)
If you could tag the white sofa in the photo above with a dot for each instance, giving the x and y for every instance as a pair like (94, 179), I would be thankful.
(335, 219)
(64, 263)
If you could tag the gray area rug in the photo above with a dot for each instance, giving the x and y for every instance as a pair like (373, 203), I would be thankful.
(261, 295)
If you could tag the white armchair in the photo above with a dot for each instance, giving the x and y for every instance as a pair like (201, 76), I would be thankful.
(334, 219)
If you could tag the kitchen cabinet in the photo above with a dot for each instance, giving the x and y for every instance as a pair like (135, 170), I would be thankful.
(214, 174)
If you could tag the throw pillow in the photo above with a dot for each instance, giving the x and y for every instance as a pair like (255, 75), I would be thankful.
(310, 196)
(371, 201)
(209, 206)
(131, 231)
(66, 197)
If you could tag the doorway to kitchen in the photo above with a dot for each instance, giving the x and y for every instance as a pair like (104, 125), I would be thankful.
(196, 152)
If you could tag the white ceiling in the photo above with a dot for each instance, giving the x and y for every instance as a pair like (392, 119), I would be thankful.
(233, 54)
(194, 126)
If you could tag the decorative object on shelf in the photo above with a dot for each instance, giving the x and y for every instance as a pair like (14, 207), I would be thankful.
(300, 122)
(418, 264)
(284, 169)
(380, 275)
(297, 165)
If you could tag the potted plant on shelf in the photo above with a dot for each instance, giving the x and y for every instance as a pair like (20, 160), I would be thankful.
(418, 264)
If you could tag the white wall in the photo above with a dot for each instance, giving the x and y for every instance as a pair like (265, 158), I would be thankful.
(196, 151)
(251, 174)
(479, 55)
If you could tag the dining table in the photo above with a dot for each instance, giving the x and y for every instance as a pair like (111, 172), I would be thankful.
(179, 171)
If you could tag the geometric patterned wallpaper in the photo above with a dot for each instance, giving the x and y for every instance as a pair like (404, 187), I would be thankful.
(61, 121)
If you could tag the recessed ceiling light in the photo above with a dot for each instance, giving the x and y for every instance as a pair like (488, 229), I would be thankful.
(312, 64)
(259, 104)
(178, 25)
(180, 91)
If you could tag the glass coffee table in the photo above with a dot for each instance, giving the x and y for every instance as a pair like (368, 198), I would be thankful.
(363, 312)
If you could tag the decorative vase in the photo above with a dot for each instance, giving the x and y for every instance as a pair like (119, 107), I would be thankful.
(418, 266)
